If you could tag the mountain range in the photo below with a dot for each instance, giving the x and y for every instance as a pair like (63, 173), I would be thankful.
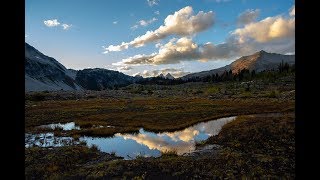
(45, 73)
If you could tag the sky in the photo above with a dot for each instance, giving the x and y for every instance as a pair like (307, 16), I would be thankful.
(149, 37)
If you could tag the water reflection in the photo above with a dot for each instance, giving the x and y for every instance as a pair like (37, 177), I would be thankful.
(47, 140)
(66, 127)
(151, 144)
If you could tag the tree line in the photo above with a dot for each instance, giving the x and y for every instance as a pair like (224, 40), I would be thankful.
(241, 75)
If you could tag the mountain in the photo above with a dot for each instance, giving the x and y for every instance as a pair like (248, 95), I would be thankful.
(161, 76)
(169, 76)
(258, 61)
(45, 73)
(99, 79)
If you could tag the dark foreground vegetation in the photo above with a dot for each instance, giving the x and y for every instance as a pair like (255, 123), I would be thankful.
(251, 147)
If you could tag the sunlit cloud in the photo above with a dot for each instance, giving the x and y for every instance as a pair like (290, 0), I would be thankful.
(182, 23)
(175, 72)
(268, 29)
(273, 34)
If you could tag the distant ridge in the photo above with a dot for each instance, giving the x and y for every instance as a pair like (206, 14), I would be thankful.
(258, 61)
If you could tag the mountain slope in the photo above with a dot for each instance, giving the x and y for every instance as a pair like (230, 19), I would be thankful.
(169, 76)
(258, 61)
(98, 79)
(46, 73)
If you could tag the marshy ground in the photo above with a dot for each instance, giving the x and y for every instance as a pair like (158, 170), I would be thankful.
(250, 146)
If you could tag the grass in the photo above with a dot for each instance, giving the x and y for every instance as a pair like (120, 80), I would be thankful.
(252, 148)
(45, 163)
(153, 114)
(104, 132)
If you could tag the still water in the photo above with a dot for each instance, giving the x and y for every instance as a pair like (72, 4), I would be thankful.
(66, 126)
(143, 143)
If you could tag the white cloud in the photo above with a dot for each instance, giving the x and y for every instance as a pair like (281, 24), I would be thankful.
(170, 53)
(153, 73)
(153, 2)
(248, 16)
(219, 1)
(157, 12)
(292, 11)
(147, 22)
(181, 23)
(66, 26)
(117, 48)
(124, 68)
(143, 23)
(272, 34)
(55, 22)
(134, 27)
(158, 45)
(268, 29)
(26, 35)
(115, 22)
(51, 23)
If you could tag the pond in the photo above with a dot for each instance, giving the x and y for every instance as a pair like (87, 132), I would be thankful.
(143, 143)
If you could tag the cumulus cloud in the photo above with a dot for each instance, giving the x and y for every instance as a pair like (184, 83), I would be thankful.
(66, 26)
(153, 73)
(51, 23)
(272, 34)
(181, 23)
(171, 53)
(268, 29)
(153, 2)
(157, 12)
(248, 16)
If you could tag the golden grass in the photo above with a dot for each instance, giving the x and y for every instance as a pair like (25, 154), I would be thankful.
(154, 114)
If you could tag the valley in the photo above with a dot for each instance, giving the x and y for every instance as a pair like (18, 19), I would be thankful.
(223, 123)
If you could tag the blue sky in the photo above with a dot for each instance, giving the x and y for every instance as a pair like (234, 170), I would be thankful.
(92, 26)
